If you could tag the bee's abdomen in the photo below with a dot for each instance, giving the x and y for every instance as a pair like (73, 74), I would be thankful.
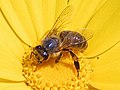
(73, 39)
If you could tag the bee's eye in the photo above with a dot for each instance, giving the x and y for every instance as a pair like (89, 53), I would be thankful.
(38, 47)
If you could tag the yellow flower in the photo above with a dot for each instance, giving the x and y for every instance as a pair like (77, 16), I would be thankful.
(30, 17)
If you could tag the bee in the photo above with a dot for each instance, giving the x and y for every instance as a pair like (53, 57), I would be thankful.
(59, 41)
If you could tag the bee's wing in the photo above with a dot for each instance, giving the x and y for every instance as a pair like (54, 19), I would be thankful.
(86, 32)
(61, 21)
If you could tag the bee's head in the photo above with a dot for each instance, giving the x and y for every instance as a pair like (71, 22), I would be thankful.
(42, 53)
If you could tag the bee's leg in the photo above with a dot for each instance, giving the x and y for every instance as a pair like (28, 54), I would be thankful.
(76, 63)
(39, 60)
(32, 54)
(58, 58)
(75, 58)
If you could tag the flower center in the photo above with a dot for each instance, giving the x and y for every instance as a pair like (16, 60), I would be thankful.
(51, 76)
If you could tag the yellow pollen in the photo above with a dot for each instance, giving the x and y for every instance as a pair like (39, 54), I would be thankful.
(51, 76)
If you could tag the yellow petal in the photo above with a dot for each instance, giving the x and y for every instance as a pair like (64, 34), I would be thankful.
(48, 14)
(10, 65)
(106, 26)
(34, 8)
(60, 5)
(84, 10)
(10, 53)
(8, 41)
(25, 17)
(14, 21)
(107, 86)
(14, 86)
(106, 69)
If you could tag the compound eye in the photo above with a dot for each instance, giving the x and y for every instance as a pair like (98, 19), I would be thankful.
(38, 47)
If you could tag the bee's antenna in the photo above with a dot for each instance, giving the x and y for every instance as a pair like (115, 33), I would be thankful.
(97, 56)
(13, 29)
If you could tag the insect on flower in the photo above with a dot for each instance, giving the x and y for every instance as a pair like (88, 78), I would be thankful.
(59, 40)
